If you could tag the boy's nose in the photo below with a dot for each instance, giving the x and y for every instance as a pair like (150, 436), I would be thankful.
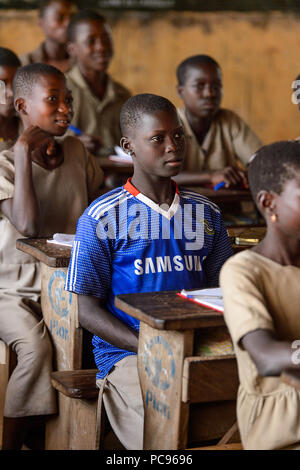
(65, 107)
(208, 90)
(170, 145)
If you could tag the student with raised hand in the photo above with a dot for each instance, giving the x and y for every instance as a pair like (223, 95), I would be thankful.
(121, 246)
(97, 97)
(10, 126)
(219, 142)
(45, 185)
(54, 17)
(261, 297)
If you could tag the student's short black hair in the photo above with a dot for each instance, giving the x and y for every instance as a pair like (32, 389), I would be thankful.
(8, 58)
(45, 3)
(272, 165)
(80, 17)
(193, 61)
(137, 106)
(28, 76)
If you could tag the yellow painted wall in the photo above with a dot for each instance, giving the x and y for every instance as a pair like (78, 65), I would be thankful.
(259, 54)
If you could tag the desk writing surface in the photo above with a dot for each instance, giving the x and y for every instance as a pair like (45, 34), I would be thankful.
(55, 256)
(167, 311)
(109, 166)
(223, 195)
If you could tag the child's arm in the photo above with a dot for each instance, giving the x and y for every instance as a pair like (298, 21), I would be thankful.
(96, 318)
(270, 355)
(230, 175)
(23, 208)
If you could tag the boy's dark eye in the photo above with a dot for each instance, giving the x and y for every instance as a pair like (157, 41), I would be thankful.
(179, 134)
(52, 98)
(157, 138)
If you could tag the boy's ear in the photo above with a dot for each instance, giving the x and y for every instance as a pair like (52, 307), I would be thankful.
(20, 106)
(126, 146)
(266, 202)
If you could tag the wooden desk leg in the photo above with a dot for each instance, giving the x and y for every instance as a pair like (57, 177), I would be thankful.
(160, 361)
(61, 317)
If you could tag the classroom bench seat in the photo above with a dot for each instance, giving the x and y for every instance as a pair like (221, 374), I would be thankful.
(76, 383)
(80, 409)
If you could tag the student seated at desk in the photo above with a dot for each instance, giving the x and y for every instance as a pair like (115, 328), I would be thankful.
(97, 97)
(219, 142)
(54, 17)
(138, 238)
(9, 120)
(45, 185)
(261, 297)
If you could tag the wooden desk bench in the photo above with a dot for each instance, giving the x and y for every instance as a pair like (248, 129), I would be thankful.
(187, 399)
(68, 338)
(167, 323)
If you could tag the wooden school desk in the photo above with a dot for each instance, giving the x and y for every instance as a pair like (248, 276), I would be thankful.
(187, 398)
(66, 430)
(60, 315)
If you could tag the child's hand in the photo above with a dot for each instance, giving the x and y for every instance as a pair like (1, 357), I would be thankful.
(231, 176)
(34, 139)
(91, 142)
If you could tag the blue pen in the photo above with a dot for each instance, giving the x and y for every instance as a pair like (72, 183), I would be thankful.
(75, 130)
(219, 185)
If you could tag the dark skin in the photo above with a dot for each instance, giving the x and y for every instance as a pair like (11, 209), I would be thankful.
(9, 122)
(157, 146)
(54, 23)
(46, 112)
(202, 94)
(282, 245)
(92, 49)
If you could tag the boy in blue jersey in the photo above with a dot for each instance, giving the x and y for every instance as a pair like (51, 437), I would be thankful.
(146, 236)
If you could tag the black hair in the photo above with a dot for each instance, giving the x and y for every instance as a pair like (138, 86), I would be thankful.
(8, 58)
(80, 17)
(193, 61)
(137, 106)
(272, 165)
(28, 76)
(45, 3)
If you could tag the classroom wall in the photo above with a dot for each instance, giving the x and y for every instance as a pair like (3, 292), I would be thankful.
(259, 54)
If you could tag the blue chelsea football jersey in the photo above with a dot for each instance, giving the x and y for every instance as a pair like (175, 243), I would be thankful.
(126, 243)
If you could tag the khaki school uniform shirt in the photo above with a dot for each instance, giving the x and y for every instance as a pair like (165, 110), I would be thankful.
(95, 117)
(64, 193)
(39, 55)
(260, 293)
(229, 141)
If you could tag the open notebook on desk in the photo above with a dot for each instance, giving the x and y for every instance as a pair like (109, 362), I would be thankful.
(211, 298)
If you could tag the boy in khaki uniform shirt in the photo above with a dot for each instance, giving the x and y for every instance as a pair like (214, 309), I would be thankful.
(45, 185)
(54, 16)
(219, 142)
(97, 97)
(261, 298)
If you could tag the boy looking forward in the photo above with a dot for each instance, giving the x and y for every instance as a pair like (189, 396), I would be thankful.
(54, 17)
(219, 142)
(97, 97)
(146, 236)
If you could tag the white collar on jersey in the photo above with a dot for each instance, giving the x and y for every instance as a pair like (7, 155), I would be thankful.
(168, 214)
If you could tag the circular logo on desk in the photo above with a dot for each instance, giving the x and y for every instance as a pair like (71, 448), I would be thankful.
(60, 298)
(159, 362)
